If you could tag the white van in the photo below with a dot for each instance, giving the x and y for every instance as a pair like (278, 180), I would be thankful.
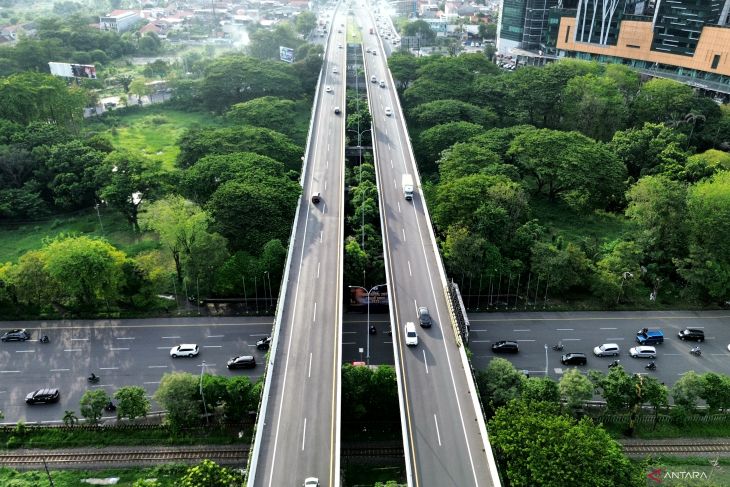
(411, 335)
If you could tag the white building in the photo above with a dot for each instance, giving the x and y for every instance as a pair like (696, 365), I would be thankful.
(119, 20)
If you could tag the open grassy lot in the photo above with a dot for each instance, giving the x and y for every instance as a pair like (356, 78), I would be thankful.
(16, 239)
(663, 430)
(595, 229)
(154, 132)
(166, 475)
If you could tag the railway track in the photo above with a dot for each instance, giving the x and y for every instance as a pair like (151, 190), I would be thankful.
(145, 456)
(686, 448)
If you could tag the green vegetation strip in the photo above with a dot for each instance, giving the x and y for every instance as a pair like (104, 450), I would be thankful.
(77, 437)
(166, 476)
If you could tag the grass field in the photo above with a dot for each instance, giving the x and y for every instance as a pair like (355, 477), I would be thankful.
(679, 471)
(154, 132)
(16, 239)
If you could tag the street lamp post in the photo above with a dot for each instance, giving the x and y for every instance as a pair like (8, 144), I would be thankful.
(367, 331)
(271, 292)
(205, 408)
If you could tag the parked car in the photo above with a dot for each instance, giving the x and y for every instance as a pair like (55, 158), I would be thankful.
(692, 334)
(43, 396)
(17, 335)
(505, 346)
(643, 351)
(242, 362)
(184, 350)
(607, 350)
(424, 317)
(574, 359)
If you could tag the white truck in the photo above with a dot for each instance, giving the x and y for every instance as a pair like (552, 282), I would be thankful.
(407, 183)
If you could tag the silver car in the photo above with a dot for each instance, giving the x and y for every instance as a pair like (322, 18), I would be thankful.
(643, 351)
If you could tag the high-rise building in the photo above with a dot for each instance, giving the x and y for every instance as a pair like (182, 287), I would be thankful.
(522, 23)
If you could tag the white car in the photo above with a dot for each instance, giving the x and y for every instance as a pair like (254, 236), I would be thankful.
(328, 89)
(382, 83)
(388, 112)
(339, 46)
(643, 351)
(411, 335)
(311, 482)
(607, 350)
(334, 70)
(184, 350)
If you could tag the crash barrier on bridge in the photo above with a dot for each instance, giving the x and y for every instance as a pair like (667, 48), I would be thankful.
(461, 320)
(264, 402)
(466, 365)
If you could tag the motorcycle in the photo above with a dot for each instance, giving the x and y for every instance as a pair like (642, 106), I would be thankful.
(650, 366)
(263, 344)
(44, 339)
(558, 348)
(695, 351)
(110, 408)
(372, 330)
(613, 364)
(93, 378)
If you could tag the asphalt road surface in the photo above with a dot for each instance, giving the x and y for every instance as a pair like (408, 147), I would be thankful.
(121, 353)
(581, 332)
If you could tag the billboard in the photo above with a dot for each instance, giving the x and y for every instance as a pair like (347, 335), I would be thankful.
(67, 70)
(286, 54)
(378, 299)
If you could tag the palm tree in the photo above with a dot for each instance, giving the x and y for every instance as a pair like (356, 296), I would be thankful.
(70, 418)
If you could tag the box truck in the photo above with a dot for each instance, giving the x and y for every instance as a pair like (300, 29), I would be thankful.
(408, 186)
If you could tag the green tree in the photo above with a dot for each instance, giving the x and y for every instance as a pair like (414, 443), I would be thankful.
(499, 383)
(180, 224)
(92, 405)
(32, 281)
(70, 170)
(179, 396)
(538, 446)
(569, 165)
(404, 68)
(126, 181)
(540, 389)
(575, 389)
(132, 402)
(305, 22)
(649, 149)
(462, 249)
(70, 418)
(687, 390)
(663, 100)
(87, 270)
(467, 158)
(264, 42)
(234, 78)
(438, 112)
(268, 111)
(594, 106)
(149, 44)
(434, 140)
(197, 143)
(139, 88)
(250, 213)
(209, 474)
(618, 273)
(355, 263)
(707, 268)
(715, 391)
(420, 29)
(564, 266)
(658, 206)
(241, 398)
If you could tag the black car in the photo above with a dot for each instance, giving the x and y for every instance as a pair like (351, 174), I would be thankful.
(505, 346)
(574, 359)
(43, 396)
(692, 334)
(242, 362)
(15, 335)
(424, 317)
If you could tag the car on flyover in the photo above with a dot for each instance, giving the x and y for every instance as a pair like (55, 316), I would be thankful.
(311, 482)
(184, 350)
(388, 111)
(17, 335)
(643, 351)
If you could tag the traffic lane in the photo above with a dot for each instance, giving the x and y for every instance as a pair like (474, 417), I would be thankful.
(580, 332)
(355, 336)
(141, 365)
